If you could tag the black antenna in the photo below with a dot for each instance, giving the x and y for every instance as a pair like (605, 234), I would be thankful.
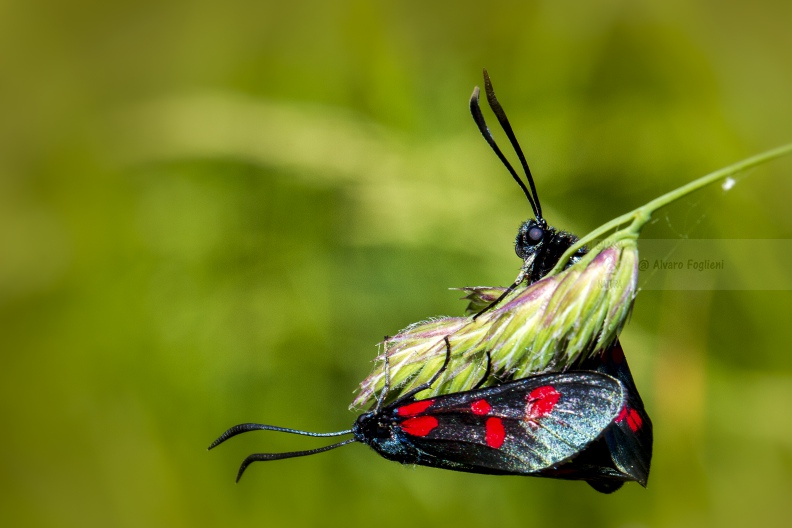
(482, 125)
(497, 109)
(263, 457)
(247, 427)
(259, 457)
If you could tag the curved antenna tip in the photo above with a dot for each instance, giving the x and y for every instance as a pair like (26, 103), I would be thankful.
(242, 468)
(478, 117)
(264, 457)
(474, 97)
(497, 109)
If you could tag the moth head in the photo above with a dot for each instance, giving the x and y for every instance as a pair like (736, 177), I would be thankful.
(371, 427)
(531, 238)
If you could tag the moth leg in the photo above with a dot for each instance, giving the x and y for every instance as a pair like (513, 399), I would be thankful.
(434, 378)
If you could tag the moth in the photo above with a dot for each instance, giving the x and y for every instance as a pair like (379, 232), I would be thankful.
(530, 427)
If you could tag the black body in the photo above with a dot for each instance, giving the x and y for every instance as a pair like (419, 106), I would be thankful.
(541, 246)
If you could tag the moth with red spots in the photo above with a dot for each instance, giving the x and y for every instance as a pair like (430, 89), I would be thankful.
(528, 427)
(625, 450)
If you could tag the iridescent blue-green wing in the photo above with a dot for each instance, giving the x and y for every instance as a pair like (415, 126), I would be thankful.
(521, 427)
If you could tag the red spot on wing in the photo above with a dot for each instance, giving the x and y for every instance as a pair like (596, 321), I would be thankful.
(496, 434)
(414, 408)
(634, 420)
(419, 426)
(541, 402)
(480, 407)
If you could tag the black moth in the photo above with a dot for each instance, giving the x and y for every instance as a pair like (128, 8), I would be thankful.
(624, 452)
(529, 427)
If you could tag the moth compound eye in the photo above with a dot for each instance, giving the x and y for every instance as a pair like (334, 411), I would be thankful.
(535, 235)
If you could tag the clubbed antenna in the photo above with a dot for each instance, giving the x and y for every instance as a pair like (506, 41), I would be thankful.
(247, 427)
(497, 109)
(265, 457)
(262, 457)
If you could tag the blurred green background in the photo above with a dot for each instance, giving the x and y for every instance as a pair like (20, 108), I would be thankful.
(211, 212)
